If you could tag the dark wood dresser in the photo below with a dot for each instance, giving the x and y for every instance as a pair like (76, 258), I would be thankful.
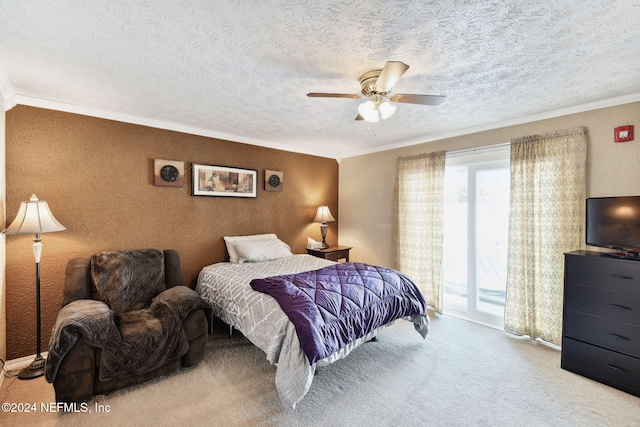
(601, 319)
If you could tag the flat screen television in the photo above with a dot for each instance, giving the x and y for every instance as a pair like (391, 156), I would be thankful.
(614, 222)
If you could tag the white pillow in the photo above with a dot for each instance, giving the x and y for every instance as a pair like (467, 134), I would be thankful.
(230, 242)
(261, 250)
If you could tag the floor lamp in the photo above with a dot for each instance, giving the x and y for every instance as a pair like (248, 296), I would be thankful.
(34, 217)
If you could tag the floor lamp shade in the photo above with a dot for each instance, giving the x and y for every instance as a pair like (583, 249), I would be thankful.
(35, 217)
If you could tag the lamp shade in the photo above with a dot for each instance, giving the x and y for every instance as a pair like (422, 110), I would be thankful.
(368, 111)
(323, 215)
(386, 110)
(34, 217)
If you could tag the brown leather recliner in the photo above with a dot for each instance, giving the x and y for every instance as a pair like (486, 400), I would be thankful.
(76, 357)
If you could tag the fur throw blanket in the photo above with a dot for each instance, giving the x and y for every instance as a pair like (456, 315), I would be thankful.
(134, 342)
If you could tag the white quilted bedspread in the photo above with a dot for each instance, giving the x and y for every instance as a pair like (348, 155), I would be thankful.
(259, 317)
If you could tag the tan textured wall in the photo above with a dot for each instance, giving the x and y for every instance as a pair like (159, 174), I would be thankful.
(367, 182)
(97, 176)
(3, 247)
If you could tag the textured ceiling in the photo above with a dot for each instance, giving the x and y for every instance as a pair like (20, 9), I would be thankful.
(240, 69)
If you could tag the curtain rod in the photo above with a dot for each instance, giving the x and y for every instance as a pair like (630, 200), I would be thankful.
(485, 147)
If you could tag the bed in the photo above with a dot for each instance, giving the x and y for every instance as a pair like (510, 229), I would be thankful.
(227, 286)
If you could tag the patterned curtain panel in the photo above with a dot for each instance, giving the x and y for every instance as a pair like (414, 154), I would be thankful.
(546, 220)
(419, 223)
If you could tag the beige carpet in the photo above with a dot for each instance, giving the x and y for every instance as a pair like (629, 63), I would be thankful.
(463, 374)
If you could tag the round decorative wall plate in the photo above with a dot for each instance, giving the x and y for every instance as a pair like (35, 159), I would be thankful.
(273, 180)
(169, 173)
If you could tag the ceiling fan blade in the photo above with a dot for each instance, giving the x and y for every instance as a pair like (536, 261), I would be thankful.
(332, 95)
(359, 117)
(390, 74)
(418, 99)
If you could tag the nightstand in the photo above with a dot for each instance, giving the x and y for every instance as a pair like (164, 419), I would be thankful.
(333, 253)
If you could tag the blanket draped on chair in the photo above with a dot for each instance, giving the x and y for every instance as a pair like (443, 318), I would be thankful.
(136, 331)
(132, 350)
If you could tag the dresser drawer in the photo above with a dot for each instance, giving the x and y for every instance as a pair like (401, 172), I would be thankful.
(603, 303)
(604, 272)
(605, 366)
(617, 336)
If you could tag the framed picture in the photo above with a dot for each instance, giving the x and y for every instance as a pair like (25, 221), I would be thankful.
(224, 181)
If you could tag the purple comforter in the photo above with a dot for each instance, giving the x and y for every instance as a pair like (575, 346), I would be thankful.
(336, 305)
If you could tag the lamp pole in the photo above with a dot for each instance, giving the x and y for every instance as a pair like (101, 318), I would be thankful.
(36, 368)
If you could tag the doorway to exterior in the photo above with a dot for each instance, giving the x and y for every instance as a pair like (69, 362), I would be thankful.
(476, 232)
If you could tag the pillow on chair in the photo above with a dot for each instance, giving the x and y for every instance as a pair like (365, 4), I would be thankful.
(128, 280)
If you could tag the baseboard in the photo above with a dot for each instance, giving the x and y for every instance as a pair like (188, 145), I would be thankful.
(17, 364)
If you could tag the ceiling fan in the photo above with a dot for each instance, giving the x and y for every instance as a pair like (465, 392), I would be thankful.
(376, 85)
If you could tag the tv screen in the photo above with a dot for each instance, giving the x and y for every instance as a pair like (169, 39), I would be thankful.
(614, 222)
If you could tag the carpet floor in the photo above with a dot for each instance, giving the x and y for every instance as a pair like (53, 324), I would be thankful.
(463, 374)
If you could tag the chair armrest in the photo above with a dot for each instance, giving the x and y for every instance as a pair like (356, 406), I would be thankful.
(85, 318)
(77, 280)
(182, 300)
(172, 269)
(76, 374)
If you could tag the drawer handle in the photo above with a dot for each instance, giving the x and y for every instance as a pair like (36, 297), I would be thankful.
(621, 276)
(616, 368)
(620, 337)
(622, 307)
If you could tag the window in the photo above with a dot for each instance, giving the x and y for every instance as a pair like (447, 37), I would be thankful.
(476, 231)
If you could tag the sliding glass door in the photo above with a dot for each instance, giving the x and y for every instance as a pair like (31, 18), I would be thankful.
(476, 228)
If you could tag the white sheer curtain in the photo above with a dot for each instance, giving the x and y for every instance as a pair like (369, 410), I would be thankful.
(546, 220)
(419, 223)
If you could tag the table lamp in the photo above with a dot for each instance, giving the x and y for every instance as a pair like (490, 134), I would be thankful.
(324, 216)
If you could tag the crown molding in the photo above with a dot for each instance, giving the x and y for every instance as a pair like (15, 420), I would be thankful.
(158, 124)
(12, 99)
(6, 91)
(611, 102)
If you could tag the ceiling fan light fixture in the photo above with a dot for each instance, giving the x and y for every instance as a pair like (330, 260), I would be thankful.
(376, 85)
(369, 111)
(386, 110)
